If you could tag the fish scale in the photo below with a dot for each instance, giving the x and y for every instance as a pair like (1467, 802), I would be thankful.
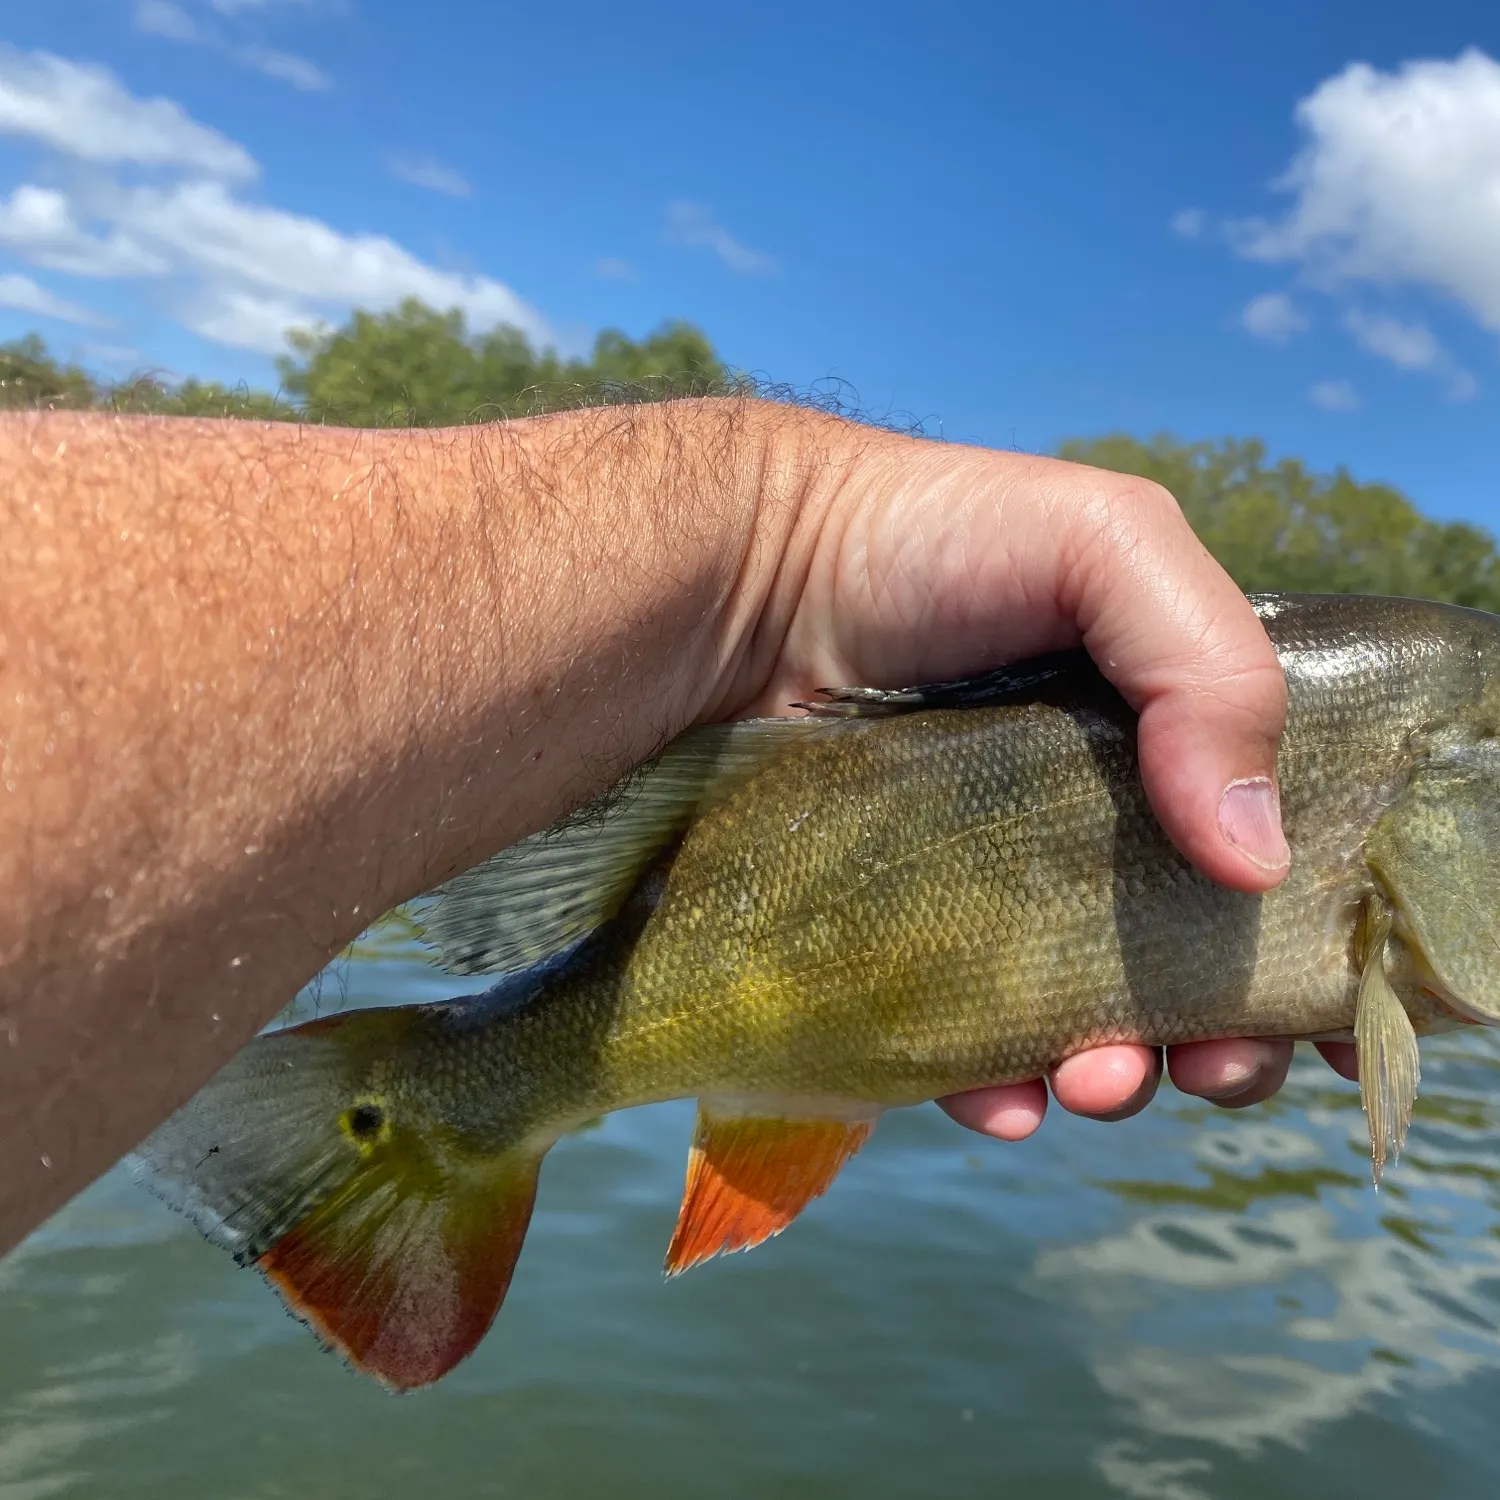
(802, 922)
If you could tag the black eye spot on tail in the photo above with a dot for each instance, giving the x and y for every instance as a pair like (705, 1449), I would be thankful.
(365, 1121)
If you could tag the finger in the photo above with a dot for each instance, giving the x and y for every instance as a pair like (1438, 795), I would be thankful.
(1232, 1073)
(1009, 1113)
(1173, 633)
(1342, 1058)
(1108, 1083)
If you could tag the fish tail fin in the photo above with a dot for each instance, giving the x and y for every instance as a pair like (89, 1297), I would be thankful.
(382, 1228)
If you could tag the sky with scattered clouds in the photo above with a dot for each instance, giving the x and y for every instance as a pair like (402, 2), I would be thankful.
(1014, 223)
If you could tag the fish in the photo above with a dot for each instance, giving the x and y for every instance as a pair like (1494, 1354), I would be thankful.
(801, 922)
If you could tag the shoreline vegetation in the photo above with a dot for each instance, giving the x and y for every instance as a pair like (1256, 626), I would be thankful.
(1273, 525)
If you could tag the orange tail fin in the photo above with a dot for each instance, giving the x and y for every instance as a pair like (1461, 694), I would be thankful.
(750, 1175)
(391, 1233)
(402, 1282)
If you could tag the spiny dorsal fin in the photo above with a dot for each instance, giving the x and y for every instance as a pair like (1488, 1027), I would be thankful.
(1019, 682)
(533, 900)
(755, 1165)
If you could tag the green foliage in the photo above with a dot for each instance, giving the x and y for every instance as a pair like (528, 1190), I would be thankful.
(1273, 526)
(1276, 526)
(149, 396)
(416, 366)
(31, 377)
(411, 366)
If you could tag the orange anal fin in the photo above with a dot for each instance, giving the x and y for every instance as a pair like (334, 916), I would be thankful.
(404, 1283)
(749, 1176)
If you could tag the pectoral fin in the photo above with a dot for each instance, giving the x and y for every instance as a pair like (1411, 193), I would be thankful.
(1389, 1064)
(751, 1174)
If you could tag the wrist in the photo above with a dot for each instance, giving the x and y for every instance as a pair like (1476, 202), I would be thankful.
(609, 574)
(806, 463)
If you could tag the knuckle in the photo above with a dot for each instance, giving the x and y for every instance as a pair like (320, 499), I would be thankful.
(1113, 507)
(1108, 526)
(1246, 704)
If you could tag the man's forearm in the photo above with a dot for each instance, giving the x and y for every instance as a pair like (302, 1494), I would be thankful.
(258, 683)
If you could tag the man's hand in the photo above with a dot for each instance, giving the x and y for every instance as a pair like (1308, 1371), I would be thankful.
(927, 562)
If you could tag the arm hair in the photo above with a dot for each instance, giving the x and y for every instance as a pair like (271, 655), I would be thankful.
(259, 683)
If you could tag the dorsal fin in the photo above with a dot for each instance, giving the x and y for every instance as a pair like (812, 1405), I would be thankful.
(536, 898)
(1019, 682)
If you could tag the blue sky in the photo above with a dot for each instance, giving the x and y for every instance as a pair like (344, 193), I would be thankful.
(1018, 223)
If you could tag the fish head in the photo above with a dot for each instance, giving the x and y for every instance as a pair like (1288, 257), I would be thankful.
(1435, 853)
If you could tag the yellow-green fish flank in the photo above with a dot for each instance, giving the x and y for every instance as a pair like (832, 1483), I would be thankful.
(803, 921)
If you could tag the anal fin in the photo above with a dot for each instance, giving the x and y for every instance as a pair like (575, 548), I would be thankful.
(1386, 1044)
(754, 1167)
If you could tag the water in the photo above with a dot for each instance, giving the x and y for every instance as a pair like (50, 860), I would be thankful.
(1189, 1305)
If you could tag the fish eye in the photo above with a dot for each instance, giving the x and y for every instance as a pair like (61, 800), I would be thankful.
(364, 1121)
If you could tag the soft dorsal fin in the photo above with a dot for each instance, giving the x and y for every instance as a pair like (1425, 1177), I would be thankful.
(1019, 682)
(533, 900)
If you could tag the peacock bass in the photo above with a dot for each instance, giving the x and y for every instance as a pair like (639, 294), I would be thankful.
(804, 921)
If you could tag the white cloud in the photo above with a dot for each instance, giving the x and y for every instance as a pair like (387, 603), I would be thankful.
(1462, 386)
(693, 225)
(162, 18)
(427, 172)
(1273, 316)
(245, 319)
(285, 66)
(39, 224)
(1409, 346)
(244, 272)
(1189, 223)
(614, 269)
(199, 226)
(82, 111)
(24, 295)
(1334, 395)
(1399, 182)
(239, 7)
(238, 272)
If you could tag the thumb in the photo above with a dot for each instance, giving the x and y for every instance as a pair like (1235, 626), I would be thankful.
(1182, 644)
